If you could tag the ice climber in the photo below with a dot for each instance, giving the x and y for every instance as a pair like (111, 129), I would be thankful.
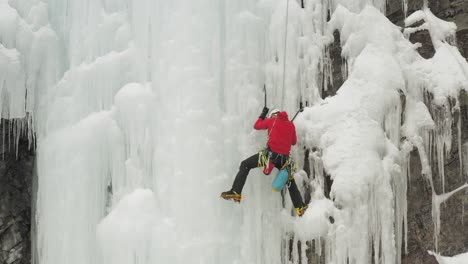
(281, 136)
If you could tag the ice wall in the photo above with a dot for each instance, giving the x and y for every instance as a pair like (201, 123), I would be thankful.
(29, 62)
(358, 132)
(142, 75)
(143, 110)
(171, 90)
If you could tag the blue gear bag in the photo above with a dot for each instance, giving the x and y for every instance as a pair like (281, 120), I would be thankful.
(280, 180)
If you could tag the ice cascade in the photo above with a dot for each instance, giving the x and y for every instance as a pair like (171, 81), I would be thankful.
(142, 110)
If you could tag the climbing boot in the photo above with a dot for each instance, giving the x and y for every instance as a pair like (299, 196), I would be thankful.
(301, 210)
(231, 195)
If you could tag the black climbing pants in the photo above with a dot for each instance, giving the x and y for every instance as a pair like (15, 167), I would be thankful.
(252, 162)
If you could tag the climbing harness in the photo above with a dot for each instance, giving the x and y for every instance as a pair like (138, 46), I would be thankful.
(265, 162)
(286, 172)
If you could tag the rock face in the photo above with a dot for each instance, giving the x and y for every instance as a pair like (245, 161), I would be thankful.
(454, 213)
(453, 238)
(450, 10)
(15, 202)
(337, 66)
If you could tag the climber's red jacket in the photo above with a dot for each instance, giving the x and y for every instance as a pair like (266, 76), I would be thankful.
(281, 132)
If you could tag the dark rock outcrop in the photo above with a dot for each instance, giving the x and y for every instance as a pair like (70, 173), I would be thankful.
(15, 200)
(454, 213)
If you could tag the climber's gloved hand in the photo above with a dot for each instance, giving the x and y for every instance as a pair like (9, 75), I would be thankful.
(264, 112)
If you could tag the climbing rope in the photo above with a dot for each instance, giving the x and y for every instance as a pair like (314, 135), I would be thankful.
(284, 54)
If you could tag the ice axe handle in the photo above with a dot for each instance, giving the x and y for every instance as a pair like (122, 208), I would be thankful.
(301, 109)
(298, 111)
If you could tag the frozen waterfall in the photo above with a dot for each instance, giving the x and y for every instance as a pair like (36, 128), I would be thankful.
(141, 111)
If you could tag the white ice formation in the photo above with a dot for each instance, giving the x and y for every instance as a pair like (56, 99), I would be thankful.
(142, 109)
(459, 259)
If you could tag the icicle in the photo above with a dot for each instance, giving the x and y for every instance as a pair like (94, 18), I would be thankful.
(404, 4)
(405, 222)
(327, 69)
(295, 250)
(318, 248)
(400, 189)
(436, 201)
(344, 69)
(17, 134)
(319, 177)
(303, 252)
(459, 138)
(285, 249)
(443, 135)
(463, 210)
(465, 166)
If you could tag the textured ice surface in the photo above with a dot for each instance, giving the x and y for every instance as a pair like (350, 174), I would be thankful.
(143, 110)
